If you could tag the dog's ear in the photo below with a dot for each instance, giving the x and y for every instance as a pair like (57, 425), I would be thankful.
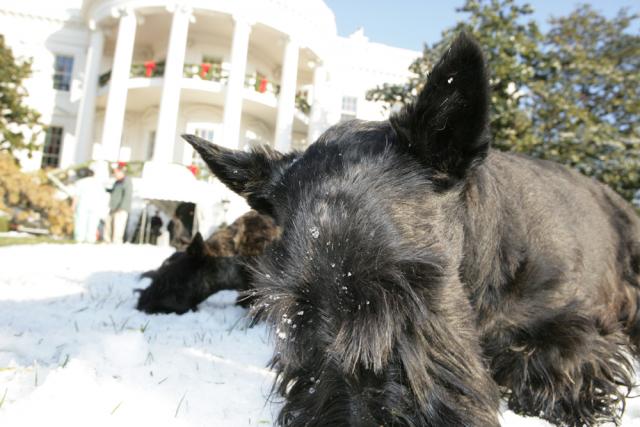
(197, 248)
(446, 127)
(250, 174)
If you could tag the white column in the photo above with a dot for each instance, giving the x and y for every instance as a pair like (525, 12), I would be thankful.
(170, 101)
(287, 98)
(318, 116)
(117, 97)
(235, 84)
(87, 109)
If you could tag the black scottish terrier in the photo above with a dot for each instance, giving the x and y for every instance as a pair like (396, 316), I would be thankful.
(421, 275)
(187, 278)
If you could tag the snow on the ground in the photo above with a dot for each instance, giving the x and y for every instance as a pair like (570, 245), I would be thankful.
(73, 349)
(75, 352)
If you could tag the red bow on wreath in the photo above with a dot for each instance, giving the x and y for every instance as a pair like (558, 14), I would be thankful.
(204, 69)
(263, 85)
(149, 66)
(193, 169)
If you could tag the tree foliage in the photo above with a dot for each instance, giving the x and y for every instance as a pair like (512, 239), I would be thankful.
(587, 99)
(30, 200)
(19, 124)
(570, 95)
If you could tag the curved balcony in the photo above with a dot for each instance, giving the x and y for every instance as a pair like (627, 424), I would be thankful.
(200, 76)
(248, 68)
(205, 84)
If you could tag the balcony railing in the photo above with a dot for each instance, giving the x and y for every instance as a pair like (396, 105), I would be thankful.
(149, 69)
(146, 69)
(261, 84)
(206, 71)
(211, 72)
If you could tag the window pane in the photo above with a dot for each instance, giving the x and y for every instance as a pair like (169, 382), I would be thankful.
(208, 134)
(63, 70)
(205, 133)
(52, 146)
(349, 104)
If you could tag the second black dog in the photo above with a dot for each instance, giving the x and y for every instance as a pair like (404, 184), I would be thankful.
(187, 278)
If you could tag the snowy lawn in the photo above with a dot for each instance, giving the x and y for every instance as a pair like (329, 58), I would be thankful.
(75, 352)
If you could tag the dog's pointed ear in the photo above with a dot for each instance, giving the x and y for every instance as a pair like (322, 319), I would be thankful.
(250, 174)
(446, 127)
(197, 247)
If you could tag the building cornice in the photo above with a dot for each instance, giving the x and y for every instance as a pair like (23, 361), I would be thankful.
(60, 20)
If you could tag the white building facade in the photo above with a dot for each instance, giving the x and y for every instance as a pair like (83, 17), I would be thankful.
(120, 80)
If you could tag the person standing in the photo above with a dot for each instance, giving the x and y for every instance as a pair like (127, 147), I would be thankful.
(119, 206)
(89, 206)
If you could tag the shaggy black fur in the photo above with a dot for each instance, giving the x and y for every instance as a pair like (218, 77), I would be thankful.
(185, 279)
(420, 274)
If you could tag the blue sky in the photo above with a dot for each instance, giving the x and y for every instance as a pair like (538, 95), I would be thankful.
(409, 23)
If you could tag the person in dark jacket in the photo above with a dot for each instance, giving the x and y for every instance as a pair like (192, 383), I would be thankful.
(119, 206)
